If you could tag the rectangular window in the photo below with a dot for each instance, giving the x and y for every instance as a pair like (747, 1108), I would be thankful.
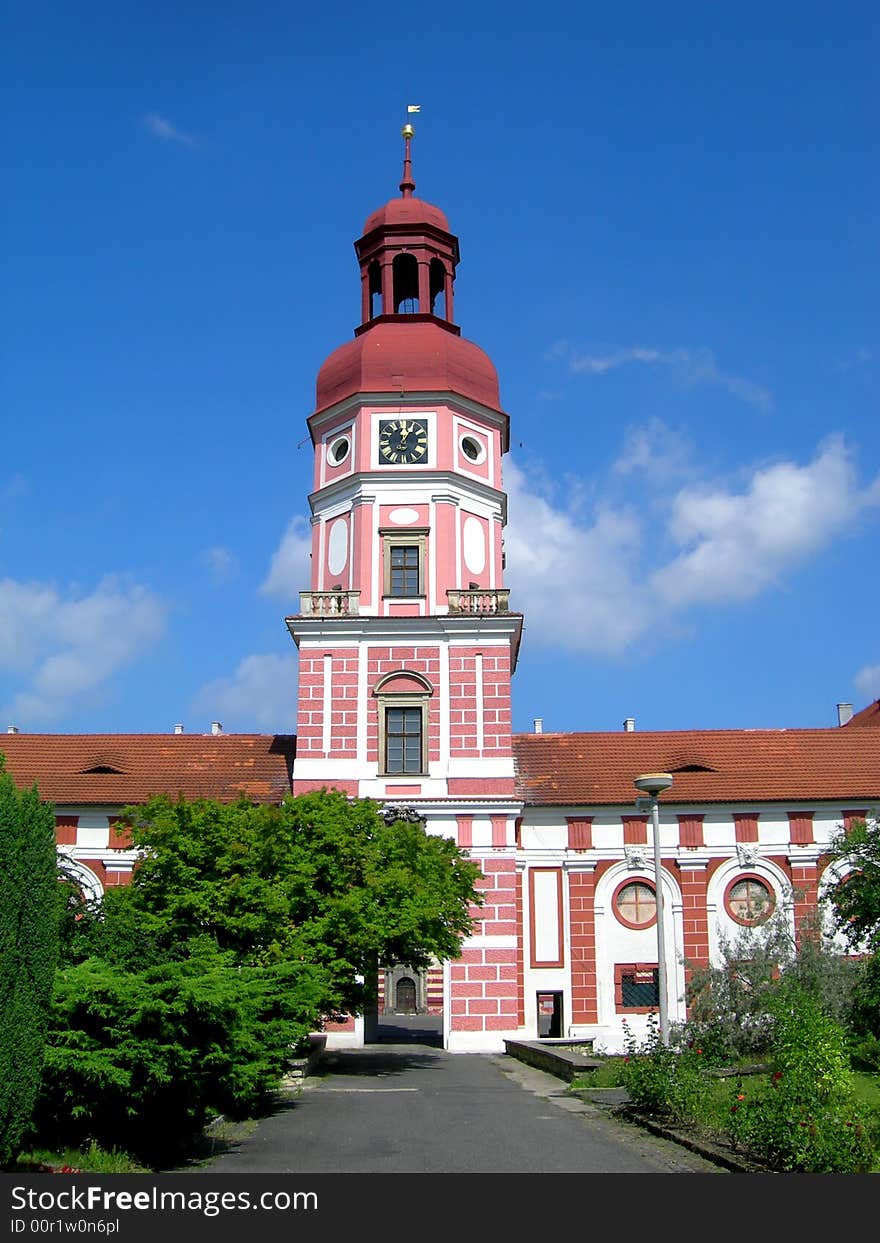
(636, 987)
(403, 740)
(404, 568)
(404, 562)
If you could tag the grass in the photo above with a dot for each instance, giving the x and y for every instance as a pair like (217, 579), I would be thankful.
(91, 1160)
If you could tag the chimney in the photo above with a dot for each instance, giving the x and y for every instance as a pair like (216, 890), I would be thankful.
(216, 727)
(178, 729)
(629, 725)
(844, 713)
(539, 725)
(12, 729)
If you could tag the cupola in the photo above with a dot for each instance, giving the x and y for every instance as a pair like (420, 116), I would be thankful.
(407, 341)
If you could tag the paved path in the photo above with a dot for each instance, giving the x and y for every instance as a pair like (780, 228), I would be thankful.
(410, 1109)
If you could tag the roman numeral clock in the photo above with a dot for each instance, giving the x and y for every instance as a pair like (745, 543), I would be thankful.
(403, 441)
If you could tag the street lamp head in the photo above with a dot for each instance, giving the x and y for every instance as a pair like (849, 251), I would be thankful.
(653, 783)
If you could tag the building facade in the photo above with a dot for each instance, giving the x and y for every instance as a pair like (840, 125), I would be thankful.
(407, 647)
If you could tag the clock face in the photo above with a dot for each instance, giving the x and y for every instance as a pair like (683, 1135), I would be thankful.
(403, 440)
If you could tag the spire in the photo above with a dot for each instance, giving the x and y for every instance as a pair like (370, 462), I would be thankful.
(407, 185)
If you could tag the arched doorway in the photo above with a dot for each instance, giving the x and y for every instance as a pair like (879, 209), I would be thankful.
(405, 995)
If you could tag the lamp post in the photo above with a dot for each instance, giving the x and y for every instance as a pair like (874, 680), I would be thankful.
(653, 784)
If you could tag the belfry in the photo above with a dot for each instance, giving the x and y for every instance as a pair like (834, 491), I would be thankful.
(406, 640)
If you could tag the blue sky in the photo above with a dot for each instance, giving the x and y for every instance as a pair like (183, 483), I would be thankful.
(668, 227)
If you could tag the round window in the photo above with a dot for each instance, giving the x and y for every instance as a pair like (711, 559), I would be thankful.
(472, 449)
(749, 900)
(338, 450)
(635, 904)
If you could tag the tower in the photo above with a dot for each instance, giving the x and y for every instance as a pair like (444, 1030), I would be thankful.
(406, 641)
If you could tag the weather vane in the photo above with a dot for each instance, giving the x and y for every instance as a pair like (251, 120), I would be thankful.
(408, 130)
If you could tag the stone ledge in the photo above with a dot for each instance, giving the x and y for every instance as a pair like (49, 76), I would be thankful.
(557, 1057)
(298, 1068)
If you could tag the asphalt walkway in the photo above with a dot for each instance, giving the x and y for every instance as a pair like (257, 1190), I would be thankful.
(411, 1108)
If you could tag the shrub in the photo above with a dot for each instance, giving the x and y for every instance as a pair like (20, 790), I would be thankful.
(28, 949)
(663, 1080)
(139, 1059)
(807, 1119)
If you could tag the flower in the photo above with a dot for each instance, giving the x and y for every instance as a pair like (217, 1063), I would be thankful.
(741, 1096)
(777, 1075)
(734, 1108)
(699, 1051)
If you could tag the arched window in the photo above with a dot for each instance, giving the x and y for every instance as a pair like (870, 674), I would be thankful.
(403, 700)
(438, 289)
(375, 278)
(405, 273)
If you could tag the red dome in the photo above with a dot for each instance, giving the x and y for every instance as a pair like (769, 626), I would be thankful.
(410, 356)
(406, 211)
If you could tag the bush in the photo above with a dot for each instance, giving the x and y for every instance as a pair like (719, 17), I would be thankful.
(663, 1080)
(140, 1059)
(807, 1119)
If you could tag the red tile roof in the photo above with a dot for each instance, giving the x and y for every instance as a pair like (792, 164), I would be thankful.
(195, 765)
(744, 765)
(868, 716)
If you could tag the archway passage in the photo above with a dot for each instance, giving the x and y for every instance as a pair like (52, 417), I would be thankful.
(410, 1006)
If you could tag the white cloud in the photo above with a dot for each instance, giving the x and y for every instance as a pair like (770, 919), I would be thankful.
(867, 681)
(738, 544)
(260, 695)
(161, 127)
(62, 646)
(584, 582)
(688, 366)
(290, 568)
(655, 450)
(574, 581)
(221, 564)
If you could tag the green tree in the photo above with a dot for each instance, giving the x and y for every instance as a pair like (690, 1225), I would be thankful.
(855, 901)
(28, 949)
(321, 879)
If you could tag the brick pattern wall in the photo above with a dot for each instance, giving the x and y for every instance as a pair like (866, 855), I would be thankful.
(584, 997)
(343, 707)
(695, 922)
(463, 738)
(805, 887)
(520, 954)
(485, 993)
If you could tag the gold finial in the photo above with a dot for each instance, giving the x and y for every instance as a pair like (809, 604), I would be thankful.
(407, 131)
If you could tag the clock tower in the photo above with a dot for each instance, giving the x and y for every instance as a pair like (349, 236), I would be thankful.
(406, 640)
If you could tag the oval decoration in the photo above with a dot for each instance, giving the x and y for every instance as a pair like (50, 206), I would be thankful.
(474, 545)
(403, 517)
(337, 546)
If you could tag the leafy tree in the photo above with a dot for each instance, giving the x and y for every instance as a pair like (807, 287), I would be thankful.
(321, 879)
(142, 1058)
(28, 949)
(855, 901)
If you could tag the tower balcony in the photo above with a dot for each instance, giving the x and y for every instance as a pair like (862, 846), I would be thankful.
(480, 600)
(329, 603)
